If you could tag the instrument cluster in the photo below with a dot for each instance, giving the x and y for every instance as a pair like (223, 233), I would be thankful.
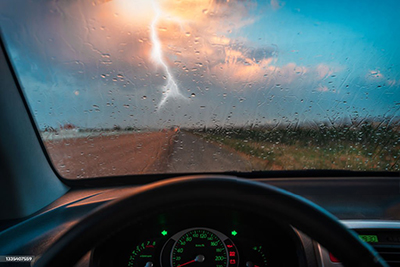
(212, 238)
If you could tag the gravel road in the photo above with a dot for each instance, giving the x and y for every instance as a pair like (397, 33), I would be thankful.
(191, 153)
(140, 153)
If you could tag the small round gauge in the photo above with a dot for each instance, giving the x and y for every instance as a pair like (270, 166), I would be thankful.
(202, 247)
(143, 255)
(257, 258)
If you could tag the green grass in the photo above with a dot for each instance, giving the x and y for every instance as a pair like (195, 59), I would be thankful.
(365, 149)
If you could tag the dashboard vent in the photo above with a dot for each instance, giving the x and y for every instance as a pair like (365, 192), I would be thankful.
(390, 253)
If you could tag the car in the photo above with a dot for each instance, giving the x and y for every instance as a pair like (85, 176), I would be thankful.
(199, 133)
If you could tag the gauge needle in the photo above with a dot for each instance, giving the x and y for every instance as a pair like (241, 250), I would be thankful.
(186, 263)
(199, 258)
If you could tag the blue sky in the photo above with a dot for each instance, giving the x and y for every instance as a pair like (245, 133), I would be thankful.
(236, 63)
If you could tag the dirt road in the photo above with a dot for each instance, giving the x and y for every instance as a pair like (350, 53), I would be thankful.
(141, 153)
(135, 153)
(193, 154)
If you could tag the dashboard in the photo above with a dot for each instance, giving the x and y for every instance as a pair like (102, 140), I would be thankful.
(370, 206)
(203, 236)
(383, 236)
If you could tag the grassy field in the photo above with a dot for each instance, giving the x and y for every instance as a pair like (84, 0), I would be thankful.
(358, 148)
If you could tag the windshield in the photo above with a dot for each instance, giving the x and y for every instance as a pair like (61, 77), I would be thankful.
(125, 87)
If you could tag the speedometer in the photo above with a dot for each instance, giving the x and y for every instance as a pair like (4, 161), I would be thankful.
(203, 247)
(199, 246)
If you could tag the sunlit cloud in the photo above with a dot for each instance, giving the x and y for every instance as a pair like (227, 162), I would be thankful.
(373, 74)
(322, 88)
(262, 73)
(324, 71)
(198, 41)
(191, 35)
(276, 4)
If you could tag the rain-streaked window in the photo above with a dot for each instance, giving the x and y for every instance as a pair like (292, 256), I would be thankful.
(126, 87)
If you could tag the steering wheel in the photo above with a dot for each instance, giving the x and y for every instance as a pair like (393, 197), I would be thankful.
(264, 199)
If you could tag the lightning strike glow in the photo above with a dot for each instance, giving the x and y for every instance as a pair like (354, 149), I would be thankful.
(171, 89)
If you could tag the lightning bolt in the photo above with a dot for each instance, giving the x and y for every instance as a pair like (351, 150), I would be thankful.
(171, 89)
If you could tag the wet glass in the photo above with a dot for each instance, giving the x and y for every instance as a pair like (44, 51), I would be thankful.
(127, 87)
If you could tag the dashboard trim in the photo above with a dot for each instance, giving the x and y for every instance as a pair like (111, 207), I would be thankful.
(323, 254)
(371, 224)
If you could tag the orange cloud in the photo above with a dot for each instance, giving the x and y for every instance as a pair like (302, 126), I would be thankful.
(195, 38)
(261, 72)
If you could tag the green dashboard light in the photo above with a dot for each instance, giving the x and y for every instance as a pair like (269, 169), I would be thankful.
(164, 232)
(369, 238)
(234, 233)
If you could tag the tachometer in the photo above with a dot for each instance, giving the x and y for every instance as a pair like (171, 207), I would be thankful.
(256, 258)
(143, 255)
(203, 247)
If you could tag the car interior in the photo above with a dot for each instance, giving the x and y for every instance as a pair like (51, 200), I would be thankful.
(187, 188)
